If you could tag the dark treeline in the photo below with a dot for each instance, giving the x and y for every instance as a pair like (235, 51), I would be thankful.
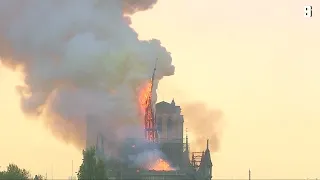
(91, 168)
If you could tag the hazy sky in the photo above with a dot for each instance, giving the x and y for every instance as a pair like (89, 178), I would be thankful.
(257, 61)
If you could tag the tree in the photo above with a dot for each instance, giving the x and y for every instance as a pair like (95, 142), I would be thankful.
(39, 177)
(14, 172)
(2, 175)
(91, 168)
(101, 170)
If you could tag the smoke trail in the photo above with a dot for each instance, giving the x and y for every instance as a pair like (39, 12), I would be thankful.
(205, 124)
(80, 58)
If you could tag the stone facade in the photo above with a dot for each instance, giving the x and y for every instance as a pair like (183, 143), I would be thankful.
(169, 121)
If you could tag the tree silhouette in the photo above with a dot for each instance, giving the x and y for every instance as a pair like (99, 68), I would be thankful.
(39, 177)
(14, 172)
(91, 168)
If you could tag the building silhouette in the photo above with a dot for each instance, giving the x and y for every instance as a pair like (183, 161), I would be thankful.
(172, 142)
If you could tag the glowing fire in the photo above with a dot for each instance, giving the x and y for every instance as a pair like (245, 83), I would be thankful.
(161, 165)
(145, 110)
(143, 97)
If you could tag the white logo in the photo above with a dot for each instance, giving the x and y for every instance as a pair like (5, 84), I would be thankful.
(308, 11)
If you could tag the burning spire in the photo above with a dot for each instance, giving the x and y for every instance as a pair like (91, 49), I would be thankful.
(151, 133)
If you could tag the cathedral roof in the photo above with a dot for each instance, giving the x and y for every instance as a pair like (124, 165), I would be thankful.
(206, 157)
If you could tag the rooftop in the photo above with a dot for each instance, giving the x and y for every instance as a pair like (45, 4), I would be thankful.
(167, 108)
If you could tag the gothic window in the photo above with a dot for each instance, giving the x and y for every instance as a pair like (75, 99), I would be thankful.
(169, 125)
(159, 124)
(177, 125)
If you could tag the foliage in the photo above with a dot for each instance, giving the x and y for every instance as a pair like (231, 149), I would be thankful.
(14, 172)
(101, 171)
(91, 168)
(39, 177)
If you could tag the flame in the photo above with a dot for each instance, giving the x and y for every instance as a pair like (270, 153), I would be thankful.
(144, 103)
(144, 96)
(161, 165)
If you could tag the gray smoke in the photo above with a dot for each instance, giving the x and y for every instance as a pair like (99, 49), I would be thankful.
(204, 123)
(132, 6)
(80, 58)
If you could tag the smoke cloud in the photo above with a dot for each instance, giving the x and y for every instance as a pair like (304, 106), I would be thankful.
(132, 6)
(204, 124)
(80, 58)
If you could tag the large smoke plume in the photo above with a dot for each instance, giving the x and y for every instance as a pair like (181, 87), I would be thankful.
(205, 123)
(80, 58)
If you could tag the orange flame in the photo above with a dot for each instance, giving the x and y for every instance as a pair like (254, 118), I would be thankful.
(161, 165)
(143, 97)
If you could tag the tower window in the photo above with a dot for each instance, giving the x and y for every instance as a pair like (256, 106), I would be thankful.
(159, 124)
(169, 125)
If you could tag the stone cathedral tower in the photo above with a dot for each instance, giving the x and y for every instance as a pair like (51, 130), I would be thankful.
(169, 121)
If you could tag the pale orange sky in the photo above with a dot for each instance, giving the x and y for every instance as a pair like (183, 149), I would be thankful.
(257, 61)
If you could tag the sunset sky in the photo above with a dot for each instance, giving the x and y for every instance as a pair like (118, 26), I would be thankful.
(256, 61)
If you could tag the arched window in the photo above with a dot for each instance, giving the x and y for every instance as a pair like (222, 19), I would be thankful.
(159, 124)
(169, 125)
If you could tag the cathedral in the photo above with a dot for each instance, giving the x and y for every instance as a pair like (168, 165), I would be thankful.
(171, 142)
